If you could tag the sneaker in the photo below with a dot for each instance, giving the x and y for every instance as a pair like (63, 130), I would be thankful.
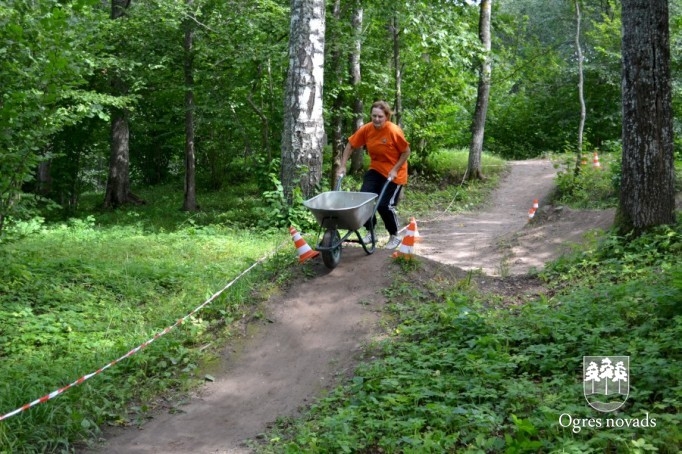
(367, 239)
(393, 242)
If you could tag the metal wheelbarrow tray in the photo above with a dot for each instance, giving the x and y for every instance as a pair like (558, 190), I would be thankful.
(342, 209)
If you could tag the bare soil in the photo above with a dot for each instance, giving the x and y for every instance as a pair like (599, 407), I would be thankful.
(312, 337)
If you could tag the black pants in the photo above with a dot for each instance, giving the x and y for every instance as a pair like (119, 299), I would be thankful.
(374, 182)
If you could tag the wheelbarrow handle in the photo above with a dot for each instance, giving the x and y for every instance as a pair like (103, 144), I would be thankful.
(383, 190)
(381, 194)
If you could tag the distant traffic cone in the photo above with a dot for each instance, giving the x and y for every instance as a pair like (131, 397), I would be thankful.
(536, 204)
(406, 248)
(304, 251)
(595, 161)
(531, 214)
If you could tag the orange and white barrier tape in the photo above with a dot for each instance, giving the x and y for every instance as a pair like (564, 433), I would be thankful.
(179, 322)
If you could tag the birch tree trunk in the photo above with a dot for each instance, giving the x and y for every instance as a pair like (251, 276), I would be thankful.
(303, 135)
(398, 105)
(581, 84)
(355, 80)
(647, 193)
(339, 101)
(478, 125)
(190, 199)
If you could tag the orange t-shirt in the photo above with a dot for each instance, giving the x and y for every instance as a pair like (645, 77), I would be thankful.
(384, 146)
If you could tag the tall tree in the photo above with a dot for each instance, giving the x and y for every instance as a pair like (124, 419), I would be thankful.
(478, 125)
(581, 84)
(190, 198)
(303, 134)
(397, 68)
(338, 69)
(118, 183)
(356, 161)
(647, 193)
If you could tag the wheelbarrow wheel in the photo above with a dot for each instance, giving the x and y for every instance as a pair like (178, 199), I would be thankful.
(331, 257)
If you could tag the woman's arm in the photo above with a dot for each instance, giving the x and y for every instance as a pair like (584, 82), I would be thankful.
(344, 158)
(403, 158)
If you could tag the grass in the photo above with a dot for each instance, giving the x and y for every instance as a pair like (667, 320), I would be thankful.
(439, 186)
(458, 372)
(76, 295)
(78, 292)
(464, 372)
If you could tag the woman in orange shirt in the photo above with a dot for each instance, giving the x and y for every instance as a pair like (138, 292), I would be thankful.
(388, 151)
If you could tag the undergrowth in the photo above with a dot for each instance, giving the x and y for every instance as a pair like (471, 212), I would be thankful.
(590, 187)
(75, 296)
(460, 376)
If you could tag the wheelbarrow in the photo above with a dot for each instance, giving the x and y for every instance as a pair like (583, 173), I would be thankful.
(343, 210)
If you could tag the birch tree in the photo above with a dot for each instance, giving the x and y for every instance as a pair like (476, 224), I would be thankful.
(356, 79)
(647, 192)
(303, 134)
(581, 84)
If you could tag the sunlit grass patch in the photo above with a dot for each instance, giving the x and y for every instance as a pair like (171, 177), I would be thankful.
(76, 295)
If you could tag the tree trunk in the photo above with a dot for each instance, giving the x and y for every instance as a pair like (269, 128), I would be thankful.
(303, 134)
(355, 79)
(190, 200)
(478, 125)
(581, 94)
(118, 183)
(647, 193)
(398, 105)
(339, 101)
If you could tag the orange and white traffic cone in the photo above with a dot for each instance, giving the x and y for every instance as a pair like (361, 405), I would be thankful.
(304, 251)
(417, 236)
(406, 249)
(536, 204)
(595, 161)
(531, 214)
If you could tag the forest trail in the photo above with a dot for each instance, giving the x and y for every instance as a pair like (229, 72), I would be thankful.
(312, 336)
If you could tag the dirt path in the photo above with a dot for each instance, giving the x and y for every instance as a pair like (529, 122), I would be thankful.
(498, 239)
(314, 334)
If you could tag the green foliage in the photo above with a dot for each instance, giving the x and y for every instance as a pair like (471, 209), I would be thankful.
(438, 183)
(462, 374)
(534, 98)
(279, 214)
(590, 187)
(43, 73)
(77, 295)
(627, 258)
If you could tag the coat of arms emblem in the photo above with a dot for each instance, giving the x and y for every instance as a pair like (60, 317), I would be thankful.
(606, 381)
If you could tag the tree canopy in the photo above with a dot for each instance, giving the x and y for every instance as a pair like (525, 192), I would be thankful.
(59, 59)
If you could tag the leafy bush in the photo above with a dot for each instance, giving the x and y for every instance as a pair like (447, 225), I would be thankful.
(590, 187)
(449, 166)
(279, 214)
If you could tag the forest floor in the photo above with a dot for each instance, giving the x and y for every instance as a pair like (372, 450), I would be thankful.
(312, 336)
